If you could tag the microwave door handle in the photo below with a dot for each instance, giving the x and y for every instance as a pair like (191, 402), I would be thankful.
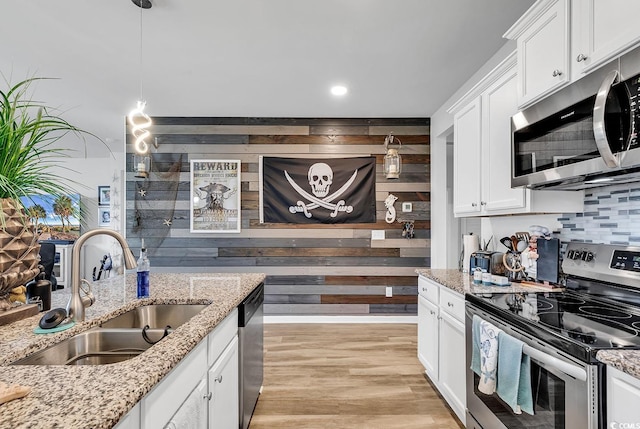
(599, 131)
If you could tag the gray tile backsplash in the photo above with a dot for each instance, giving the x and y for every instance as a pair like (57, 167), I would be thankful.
(611, 215)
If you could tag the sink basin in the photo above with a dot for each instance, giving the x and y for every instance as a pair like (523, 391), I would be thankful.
(96, 346)
(117, 339)
(156, 316)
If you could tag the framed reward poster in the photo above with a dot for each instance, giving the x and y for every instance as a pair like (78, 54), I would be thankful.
(215, 195)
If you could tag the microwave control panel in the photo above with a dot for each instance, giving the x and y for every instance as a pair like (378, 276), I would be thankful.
(633, 89)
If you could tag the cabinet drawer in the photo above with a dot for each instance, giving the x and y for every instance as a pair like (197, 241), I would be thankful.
(222, 336)
(428, 289)
(452, 303)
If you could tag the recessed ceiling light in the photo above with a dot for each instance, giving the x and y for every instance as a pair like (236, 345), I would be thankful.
(339, 90)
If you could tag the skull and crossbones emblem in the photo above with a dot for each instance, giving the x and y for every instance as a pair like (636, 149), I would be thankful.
(320, 177)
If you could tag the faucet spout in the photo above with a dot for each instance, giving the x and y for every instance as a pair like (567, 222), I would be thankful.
(75, 307)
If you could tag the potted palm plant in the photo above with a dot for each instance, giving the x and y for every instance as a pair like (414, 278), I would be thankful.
(28, 133)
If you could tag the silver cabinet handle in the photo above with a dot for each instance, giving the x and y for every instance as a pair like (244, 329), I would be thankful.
(483, 203)
(449, 304)
(581, 57)
(432, 312)
(556, 73)
(599, 131)
(218, 379)
(209, 396)
(474, 204)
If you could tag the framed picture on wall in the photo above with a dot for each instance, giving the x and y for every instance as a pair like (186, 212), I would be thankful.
(104, 195)
(215, 195)
(104, 216)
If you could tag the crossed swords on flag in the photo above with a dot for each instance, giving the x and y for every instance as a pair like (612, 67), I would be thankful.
(315, 202)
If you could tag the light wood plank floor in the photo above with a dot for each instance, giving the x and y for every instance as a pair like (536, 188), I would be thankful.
(346, 376)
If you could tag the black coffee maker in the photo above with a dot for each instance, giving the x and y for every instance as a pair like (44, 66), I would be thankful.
(39, 291)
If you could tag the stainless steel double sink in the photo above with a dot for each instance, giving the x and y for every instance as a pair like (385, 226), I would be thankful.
(118, 339)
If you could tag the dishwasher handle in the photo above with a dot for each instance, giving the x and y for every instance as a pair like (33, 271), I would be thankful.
(250, 305)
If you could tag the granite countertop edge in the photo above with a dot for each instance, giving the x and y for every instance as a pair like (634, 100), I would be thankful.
(98, 396)
(627, 361)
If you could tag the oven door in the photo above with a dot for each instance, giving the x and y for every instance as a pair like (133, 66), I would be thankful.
(564, 390)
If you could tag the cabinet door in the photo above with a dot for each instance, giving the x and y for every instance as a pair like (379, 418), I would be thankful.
(428, 337)
(466, 168)
(499, 103)
(543, 54)
(452, 364)
(603, 29)
(192, 413)
(623, 397)
(223, 385)
(165, 399)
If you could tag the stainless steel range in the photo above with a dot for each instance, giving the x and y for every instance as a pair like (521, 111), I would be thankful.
(562, 332)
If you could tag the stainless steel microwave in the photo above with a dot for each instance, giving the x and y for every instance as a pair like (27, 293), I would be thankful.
(583, 136)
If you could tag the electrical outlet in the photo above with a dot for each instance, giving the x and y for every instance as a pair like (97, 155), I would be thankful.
(389, 292)
(407, 207)
(377, 234)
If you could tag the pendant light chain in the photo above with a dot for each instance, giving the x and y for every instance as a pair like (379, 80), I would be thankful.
(141, 70)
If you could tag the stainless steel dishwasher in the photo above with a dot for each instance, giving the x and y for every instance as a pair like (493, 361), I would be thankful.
(251, 339)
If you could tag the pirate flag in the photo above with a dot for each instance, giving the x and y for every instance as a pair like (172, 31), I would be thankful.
(303, 190)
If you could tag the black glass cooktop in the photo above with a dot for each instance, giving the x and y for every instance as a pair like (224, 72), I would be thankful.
(578, 323)
(599, 309)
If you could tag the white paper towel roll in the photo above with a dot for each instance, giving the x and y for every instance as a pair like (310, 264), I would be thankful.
(470, 244)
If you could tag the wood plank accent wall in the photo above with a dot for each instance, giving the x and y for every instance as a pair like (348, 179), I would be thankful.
(311, 269)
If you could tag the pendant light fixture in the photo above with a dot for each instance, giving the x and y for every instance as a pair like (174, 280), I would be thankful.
(392, 159)
(138, 119)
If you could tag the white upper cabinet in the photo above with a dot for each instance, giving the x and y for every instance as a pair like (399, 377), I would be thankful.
(601, 30)
(466, 153)
(482, 153)
(559, 41)
(542, 36)
(499, 104)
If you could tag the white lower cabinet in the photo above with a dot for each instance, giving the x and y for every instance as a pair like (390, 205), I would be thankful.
(131, 420)
(623, 397)
(441, 345)
(223, 388)
(452, 364)
(428, 336)
(200, 392)
(168, 397)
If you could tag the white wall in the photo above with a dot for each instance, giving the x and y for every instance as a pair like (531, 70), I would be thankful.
(445, 230)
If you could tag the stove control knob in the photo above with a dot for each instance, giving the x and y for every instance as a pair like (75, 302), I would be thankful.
(577, 254)
(570, 254)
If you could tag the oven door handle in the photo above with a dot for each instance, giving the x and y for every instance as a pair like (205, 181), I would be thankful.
(545, 358)
(553, 362)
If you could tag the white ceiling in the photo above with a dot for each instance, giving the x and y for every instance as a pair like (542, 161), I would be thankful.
(268, 58)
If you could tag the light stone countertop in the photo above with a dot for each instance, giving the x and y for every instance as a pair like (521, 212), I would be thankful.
(627, 361)
(463, 282)
(97, 396)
